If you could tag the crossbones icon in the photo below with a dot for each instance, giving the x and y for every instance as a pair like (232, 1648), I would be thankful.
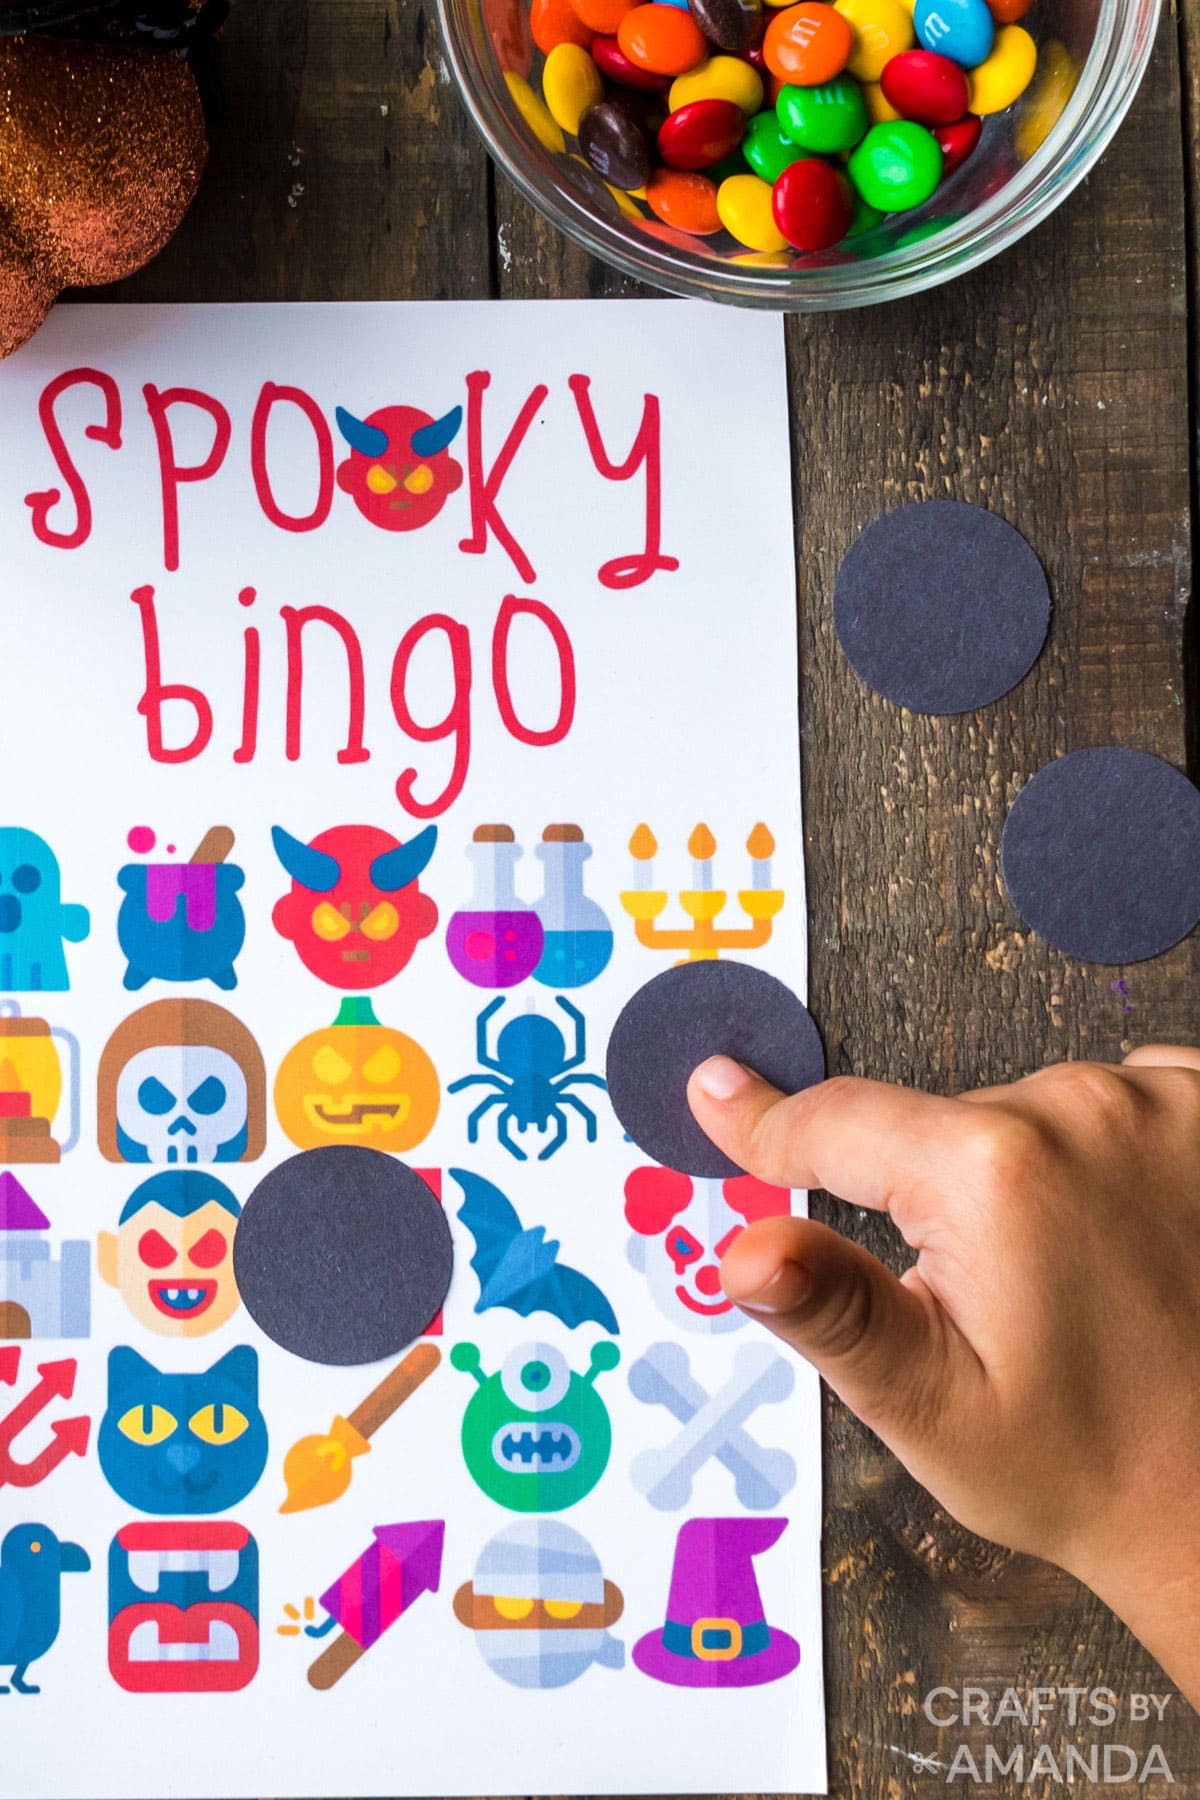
(713, 1426)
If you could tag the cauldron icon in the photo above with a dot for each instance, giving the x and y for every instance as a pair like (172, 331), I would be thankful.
(183, 921)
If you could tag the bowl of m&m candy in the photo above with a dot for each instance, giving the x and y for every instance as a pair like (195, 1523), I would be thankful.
(807, 155)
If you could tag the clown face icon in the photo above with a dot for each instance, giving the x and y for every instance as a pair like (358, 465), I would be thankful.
(682, 1227)
(181, 1082)
(355, 912)
(172, 1253)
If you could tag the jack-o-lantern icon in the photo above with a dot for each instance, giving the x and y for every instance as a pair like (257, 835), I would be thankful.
(357, 1082)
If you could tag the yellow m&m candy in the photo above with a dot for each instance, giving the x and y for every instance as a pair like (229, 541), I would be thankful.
(1004, 73)
(720, 78)
(535, 113)
(882, 29)
(744, 209)
(571, 83)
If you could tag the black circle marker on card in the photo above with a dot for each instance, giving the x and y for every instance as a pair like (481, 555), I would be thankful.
(678, 1020)
(342, 1255)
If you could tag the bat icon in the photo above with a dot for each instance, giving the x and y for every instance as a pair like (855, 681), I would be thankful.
(518, 1268)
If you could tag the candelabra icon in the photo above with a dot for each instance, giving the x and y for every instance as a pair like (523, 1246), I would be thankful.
(703, 939)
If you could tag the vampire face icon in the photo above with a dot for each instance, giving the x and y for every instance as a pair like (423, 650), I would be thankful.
(171, 1255)
(181, 1082)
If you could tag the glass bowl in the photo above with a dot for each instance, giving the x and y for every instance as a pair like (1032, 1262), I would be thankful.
(1092, 55)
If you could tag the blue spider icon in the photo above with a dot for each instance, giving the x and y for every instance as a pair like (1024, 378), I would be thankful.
(531, 1075)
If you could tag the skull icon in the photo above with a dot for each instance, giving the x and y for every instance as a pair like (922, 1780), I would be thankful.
(181, 1082)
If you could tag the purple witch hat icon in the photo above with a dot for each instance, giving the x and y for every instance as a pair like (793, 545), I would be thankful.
(715, 1634)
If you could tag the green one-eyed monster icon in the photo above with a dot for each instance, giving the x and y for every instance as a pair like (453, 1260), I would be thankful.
(536, 1435)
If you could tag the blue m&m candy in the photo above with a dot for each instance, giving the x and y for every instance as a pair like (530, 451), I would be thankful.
(960, 29)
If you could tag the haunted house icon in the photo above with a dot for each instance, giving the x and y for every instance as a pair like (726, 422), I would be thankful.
(41, 1296)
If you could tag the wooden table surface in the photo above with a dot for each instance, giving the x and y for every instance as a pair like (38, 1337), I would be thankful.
(1051, 386)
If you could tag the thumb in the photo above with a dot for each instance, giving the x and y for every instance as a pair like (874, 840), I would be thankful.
(884, 1345)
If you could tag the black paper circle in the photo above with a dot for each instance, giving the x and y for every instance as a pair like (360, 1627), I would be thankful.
(941, 606)
(1101, 855)
(684, 1015)
(342, 1255)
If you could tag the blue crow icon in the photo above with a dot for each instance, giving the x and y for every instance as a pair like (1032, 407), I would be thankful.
(32, 1564)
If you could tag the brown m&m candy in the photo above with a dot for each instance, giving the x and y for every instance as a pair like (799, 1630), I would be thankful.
(729, 24)
(614, 145)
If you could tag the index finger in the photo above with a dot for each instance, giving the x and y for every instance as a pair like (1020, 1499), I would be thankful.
(868, 1143)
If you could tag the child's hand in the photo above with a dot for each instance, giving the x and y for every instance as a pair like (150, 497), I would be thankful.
(1038, 1368)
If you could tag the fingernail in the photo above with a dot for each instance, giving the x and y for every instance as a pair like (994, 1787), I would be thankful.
(720, 1078)
(787, 1289)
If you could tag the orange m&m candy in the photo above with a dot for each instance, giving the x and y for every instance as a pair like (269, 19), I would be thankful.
(555, 22)
(688, 202)
(1007, 12)
(664, 40)
(602, 15)
(808, 44)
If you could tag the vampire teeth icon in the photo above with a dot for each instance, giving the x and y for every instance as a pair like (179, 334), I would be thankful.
(536, 1435)
(183, 1607)
(540, 1607)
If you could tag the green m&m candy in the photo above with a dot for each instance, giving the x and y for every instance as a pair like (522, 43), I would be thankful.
(830, 116)
(898, 164)
(766, 149)
(865, 219)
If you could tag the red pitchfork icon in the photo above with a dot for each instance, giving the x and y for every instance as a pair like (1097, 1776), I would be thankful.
(68, 1437)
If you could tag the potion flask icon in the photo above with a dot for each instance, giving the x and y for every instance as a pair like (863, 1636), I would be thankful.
(578, 939)
(497, 941)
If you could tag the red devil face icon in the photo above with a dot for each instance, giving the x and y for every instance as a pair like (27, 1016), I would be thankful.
(399, 473)
(354, 912)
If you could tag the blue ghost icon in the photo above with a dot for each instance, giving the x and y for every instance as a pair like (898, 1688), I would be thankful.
(34, 922)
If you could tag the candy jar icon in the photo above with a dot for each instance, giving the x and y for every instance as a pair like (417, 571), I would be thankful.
(497, 941)
(578, 936)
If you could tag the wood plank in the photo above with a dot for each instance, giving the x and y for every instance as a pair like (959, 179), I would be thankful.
(1050, 386)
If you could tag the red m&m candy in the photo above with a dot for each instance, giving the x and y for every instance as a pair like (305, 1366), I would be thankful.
(924, 86)
(701, 134)
(957, 141)
(811, 204)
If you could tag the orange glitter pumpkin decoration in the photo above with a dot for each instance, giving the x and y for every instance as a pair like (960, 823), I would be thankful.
(101, 152)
